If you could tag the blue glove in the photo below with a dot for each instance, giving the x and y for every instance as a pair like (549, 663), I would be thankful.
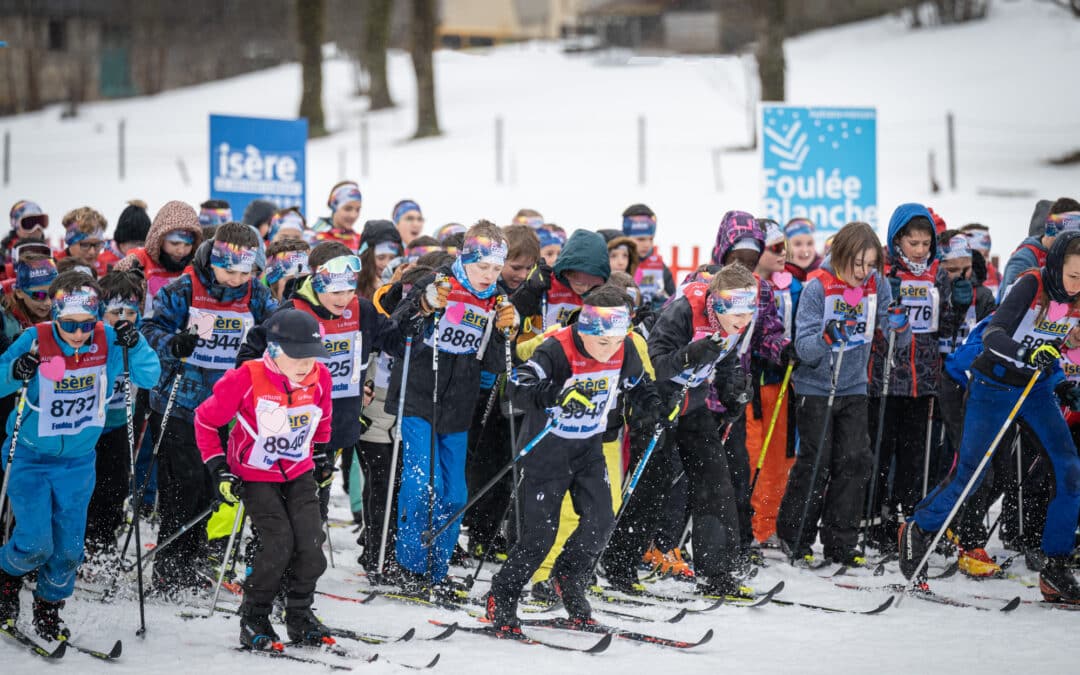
(898, 318)
(962, 293)
(894, 284)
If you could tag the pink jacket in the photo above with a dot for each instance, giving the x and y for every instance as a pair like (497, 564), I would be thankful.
(234, 398)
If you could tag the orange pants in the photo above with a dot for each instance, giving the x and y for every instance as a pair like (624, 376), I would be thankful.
(774, 471)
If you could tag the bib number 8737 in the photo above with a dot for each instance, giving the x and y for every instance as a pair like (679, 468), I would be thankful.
(71, 406)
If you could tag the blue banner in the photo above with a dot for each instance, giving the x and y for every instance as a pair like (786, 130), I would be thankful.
(819, 163)
(257, 158)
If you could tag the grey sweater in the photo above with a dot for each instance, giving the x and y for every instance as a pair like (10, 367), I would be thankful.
(813, 377)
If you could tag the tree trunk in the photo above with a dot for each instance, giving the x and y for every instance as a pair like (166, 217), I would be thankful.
(423, 44)
(770, 48)
(373, 52)
(309, 21)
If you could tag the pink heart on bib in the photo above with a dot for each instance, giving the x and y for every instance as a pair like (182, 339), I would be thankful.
(1056, 310)
(203, 325)
(853, 296)
(53, 368)
(274, 420)
(455, 312)
(1073, 355)
(781, 279)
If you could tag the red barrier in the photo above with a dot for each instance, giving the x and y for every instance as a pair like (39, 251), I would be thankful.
(679, 271)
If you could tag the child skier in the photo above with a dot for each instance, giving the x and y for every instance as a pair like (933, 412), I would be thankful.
(84, 237)
(578, 374)
(652, 276)
(839, 309)
(282, 406)
(200, 320)
(286, 259)
(68, 367)
(344, 202)
(1023, 337)
(170, 247)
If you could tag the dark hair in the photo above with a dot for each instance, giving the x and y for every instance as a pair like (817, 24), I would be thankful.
(1064, 205)
(521, 242)
(215, 204)
(974, 226)
(415, 273)
(916, 224)
(72, 280)
(606, 295)
(327, 250)
(117, 284)
(436, 259)
(238, 234)
(945, 237)
(638, 210)
(527, 213)
(67, 264)
(851, 240)
(453, 241)
(424, 240)
(289, 244)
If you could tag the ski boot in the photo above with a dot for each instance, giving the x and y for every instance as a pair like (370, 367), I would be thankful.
(449, 590)
(624, 581)
(47, 621)
(9, 598)
(913, 543)
(256, 632)
(653, 560)
(675, 565)
(544, 591)
(501, 611)
(977, 564)
(572, 594)
(1057, 583)
(304, 627)
(846, 557)
(414, 585)
(804, 557)
(720, 586)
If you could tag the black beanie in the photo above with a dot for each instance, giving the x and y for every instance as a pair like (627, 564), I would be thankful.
(259, 212)
(377, 232)
(133, 223)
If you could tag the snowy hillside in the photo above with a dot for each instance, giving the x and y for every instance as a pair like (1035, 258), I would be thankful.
(571, 132)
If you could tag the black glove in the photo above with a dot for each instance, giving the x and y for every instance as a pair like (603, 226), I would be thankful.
(575, 400)
(539, 280)
(183, 345)
(789, 355)
(978, 268)
(25, 367)
(1069, 394)
(126, 334)
(1043, 357)
(962, 293)
(324, 464)
(734, 392)
(227, 483)
(701, 352)
(365, 424)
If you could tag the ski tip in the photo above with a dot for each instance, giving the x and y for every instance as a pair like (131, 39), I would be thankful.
(59, 652)
(433, 662)
(369, 597)
(408, 635)
(116, 650)
(777, 588)
(883, 606)
(705, 638)
(450, 630)
(1012, 604)
(600, 646)
(841, 571)
(678, 617)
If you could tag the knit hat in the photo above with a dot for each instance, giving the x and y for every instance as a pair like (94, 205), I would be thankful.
(379, 232)
(29, 214)
(259, 211)
(133, 223)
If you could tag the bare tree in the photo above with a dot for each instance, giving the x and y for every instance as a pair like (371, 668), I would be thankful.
(769, 25)
(309, 21)
(421, 49)
(373, 52)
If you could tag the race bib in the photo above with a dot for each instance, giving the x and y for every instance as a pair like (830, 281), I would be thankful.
(73, 403)
(344, 363)
(282, 433)
(920, 299)
(221, 333)
(461, 329)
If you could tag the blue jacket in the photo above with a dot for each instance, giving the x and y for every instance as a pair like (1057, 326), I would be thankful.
(171, 307)
(1022, 260)
(145, 370)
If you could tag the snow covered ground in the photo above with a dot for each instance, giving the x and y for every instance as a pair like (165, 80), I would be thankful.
(571, 125)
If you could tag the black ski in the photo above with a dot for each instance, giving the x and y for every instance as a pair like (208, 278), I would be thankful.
(110, 655)
(275, 654)
(375, 638)
(10, 630)
(837, 610)
(930, 596)
(491, 632)
(567, 624)
(756, 600)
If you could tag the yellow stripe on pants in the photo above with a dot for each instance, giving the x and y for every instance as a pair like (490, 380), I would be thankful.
(568, 518)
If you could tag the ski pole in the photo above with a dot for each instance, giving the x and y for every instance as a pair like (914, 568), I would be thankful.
(820, 452)
(394, 456)
(513, 432)
(225, 562)
(439, 279)
(872, 496)
(910, 586)
(487, 549)
(129, 413)
(429, 537)
(926, 454)
(772, 426)
(180, 532)
(329, 543)
(11, 451)
(1018, 446)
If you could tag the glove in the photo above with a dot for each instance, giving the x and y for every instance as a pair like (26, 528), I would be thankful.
(506, 318)
(435, 296)
(324, 465)
(962, 293)
(539, 280)
(978, 268)
(126, 334)
(734, 392)
(898, 318)
(228, 484)
(789, 355)
(836, 331)
(894, 285)
(1069, 394)
(701, 352)
(365, 424)
(183, 345)
(25, 367)
(1043, 357)
(575, 400)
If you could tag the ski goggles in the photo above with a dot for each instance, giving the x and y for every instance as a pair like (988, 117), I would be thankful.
(639, 226)
(181, 237)
(778, 248)
(232, 257)
(76, 326)
(209, 217)
(735, 301)
(797, 226)
(83, 300)
(27, 217)
(958, 247)
(287, 263)
(603, 321)
(483, 250)
(336, 275)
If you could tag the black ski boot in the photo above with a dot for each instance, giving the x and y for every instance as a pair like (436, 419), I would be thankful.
(47, 621)
(848, 557)
(304, 627)
(624, 580)
(572, 594)
(9, 598)
(256, 632)
(914, 542)
(544, 591)
(501, 611)
(719, 585)
(1057, 583)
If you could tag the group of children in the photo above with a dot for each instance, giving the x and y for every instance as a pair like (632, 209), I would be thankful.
(775, 395)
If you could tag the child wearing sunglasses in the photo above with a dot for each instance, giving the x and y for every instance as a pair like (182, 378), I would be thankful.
(200, 320)
(69, 366)
(26, 302)
(170, 246)
(573, 380)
